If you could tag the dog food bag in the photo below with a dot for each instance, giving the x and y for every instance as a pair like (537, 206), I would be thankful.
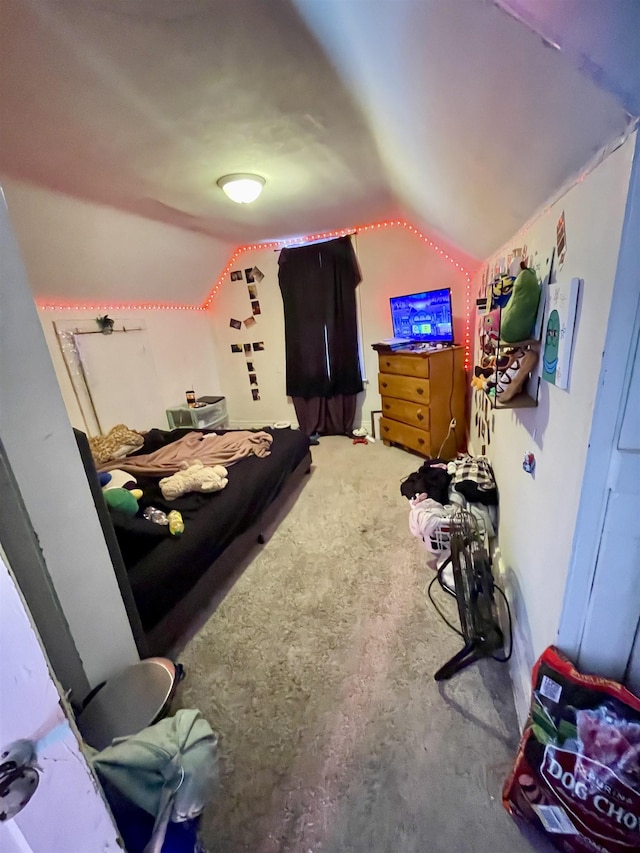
(577, 772)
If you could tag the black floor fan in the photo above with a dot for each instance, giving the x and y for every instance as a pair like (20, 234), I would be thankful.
(474, 592)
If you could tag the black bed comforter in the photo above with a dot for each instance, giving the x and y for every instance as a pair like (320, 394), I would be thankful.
(161, 567)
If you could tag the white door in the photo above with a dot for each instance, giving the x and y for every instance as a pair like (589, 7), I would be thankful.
(65, 811)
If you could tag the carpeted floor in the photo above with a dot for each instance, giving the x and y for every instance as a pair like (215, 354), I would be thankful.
(317, 671)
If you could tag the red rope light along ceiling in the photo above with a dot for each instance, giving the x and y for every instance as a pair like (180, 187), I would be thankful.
(241, 250)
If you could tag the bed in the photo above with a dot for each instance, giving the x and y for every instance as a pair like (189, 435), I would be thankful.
(165, 580)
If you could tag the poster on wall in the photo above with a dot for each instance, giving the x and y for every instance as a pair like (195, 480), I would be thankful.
(559, 331)
(561, 240)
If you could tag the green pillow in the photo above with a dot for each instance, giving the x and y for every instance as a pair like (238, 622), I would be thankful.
(519, 314)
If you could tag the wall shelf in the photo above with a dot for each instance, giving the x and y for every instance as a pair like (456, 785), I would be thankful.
(520, 401)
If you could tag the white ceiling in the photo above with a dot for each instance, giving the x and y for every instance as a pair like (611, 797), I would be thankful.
(452, 113)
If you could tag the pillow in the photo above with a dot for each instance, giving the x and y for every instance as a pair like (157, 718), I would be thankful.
(119, 442)
(519, 314)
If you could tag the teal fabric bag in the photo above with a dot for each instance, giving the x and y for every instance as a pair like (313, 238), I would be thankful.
(169, 769)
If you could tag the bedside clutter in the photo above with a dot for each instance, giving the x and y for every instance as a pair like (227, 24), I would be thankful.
(211, 415)
(423, 390)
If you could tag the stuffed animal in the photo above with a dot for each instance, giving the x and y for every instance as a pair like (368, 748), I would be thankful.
(122, 500)
(119, 480)
(194, 477)
(519, 315)
(512, 378)
(501, 290)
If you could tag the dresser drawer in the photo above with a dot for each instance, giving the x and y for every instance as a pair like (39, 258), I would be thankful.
(405, 365)
(409, 413)
(403, 387)
(407, 436)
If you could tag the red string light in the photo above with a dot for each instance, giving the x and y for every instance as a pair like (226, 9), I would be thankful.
(282, 244)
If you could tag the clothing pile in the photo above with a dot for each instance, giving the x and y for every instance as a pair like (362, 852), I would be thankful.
(439, 487)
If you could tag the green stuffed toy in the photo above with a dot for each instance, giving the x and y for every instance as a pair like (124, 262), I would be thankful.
(120, 492)
(122, 500)
(519, 314)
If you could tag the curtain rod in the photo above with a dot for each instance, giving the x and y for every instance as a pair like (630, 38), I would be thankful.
(314, 242)
(113, 331)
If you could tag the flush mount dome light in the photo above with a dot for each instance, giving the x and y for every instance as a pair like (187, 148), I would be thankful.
(242, 188)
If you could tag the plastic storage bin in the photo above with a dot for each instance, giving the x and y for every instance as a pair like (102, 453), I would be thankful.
(210, 416)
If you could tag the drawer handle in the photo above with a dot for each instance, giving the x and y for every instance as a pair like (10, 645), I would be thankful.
(387, 364)
(384, 384)
(387, 405)
(420, 390)
(385, 428)
(420, 416)
(421, 441)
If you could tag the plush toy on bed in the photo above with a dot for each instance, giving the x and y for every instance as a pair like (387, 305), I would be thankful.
(119, 490)
(194, 477)
(122, 500)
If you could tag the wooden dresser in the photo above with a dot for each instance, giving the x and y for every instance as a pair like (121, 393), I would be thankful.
(421, 392)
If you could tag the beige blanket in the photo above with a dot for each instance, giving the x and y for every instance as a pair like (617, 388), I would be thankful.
(210, 449)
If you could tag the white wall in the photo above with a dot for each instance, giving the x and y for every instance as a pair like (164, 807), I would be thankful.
(67, 811)
(78, 251)
(393, 261)
(538, 514)
(42, 453)
(182, 350)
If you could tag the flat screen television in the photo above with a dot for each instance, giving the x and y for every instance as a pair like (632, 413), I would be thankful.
(424, 317)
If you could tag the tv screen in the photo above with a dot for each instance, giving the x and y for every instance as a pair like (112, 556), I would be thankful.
(423, 317)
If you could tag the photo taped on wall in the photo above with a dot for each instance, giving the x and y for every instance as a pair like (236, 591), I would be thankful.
(235, 324)
(236, 347)
(255, 393)
(248, 274)
(258, 346)
(236, 275)
(253, 291)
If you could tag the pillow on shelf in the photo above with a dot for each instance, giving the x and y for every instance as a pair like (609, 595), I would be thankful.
(518, 317)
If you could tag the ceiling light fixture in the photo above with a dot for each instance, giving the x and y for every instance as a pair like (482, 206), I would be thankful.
(242, 188)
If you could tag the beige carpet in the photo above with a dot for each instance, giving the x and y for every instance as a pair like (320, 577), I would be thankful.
(316, 670)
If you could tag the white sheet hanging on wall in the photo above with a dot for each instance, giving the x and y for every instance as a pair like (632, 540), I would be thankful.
(121, 377)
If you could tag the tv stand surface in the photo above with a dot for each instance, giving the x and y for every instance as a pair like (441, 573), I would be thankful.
(382, 346)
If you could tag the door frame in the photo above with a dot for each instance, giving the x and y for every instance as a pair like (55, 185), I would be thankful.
(20, 544)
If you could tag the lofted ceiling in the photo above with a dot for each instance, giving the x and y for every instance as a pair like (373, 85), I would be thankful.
(457, 115)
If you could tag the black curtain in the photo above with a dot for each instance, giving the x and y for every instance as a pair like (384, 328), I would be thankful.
(318, 285)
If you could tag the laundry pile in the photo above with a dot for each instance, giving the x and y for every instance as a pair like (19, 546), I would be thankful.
(438, 488)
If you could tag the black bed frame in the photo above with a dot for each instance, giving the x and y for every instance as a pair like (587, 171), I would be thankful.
(167, 634)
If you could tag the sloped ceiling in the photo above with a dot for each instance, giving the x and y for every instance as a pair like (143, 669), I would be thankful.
(455, 114)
